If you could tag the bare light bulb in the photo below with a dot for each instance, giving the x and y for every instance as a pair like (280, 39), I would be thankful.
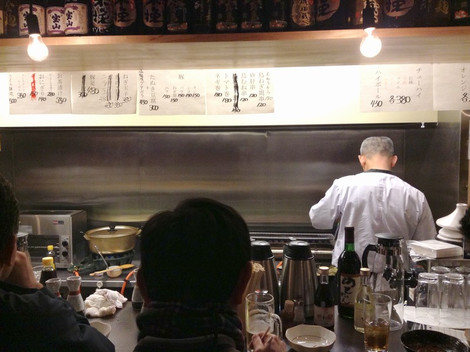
(37, 50)
(371, 43)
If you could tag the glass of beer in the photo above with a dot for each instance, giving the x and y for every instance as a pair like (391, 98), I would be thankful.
(377, 312)
(260, 316)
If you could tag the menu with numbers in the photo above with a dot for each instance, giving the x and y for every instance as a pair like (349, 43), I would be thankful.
(104, 92)
(239, 92)
(172, 92)
(396, 88)
(39, 93)
(452, 86)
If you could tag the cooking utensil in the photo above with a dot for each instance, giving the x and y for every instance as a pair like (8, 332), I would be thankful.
(123, 266)
(112, 239)
(101, 255)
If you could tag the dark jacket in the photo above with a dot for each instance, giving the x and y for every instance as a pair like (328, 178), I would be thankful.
(36, 320)
(209, 343)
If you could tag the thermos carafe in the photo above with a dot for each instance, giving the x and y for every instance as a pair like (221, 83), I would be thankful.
(298, 278)
(261, 253)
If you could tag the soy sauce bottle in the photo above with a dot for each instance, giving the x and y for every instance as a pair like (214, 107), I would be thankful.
(48, 271)
(324, 312)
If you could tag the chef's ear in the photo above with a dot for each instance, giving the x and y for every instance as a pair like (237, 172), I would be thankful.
(362, 160)
(394, 160)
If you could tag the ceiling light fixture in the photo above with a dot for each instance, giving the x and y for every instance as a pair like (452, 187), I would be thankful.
(37, 50)
(371, 43)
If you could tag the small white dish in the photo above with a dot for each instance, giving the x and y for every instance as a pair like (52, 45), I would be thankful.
(308, 338)
(451, 233)
(103, 328)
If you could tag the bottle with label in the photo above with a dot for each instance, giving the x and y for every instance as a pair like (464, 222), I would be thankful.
(333, 14)
(77, 17)
(460, 12)
(226, 16)
(277, 15)
(48, 271)
(38, 9)
(201, 16)
(125, 17)
(55, 18)
(51, 253)
(302, 15)
(177, 16)
(2, 18)
(365, 290)
(349, 266)
(11, 19)
(153, 17)
(102, 17)
(403, 13)
(324, 312)
(252, 16)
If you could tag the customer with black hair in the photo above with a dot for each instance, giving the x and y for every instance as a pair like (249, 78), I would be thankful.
(195, 264)
(31, 317)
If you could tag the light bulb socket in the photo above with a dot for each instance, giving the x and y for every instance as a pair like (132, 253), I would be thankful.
(368, 16)
(32, 23)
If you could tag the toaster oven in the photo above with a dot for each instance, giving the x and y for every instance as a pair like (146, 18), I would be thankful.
(63, 229)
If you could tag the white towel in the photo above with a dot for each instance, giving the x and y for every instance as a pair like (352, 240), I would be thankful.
(103, 302)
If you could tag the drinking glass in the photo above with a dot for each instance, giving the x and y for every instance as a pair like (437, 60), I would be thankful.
(441, 271)
(427, 297)
(452, 307)
(377, 313)
(37, 272)
(260, 316)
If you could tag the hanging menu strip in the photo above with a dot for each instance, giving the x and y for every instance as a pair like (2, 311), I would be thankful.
(452, 86)
(396, 88)
(239, 92)
(172, 92)
(110, 92)
(39, 93)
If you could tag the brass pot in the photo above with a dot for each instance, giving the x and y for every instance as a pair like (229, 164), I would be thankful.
(112, 239)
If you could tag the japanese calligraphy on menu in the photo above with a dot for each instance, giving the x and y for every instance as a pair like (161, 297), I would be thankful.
(172, 92)
(396, 88)
(239, 92)
(104, 92)
(39, 93)
(451, 86)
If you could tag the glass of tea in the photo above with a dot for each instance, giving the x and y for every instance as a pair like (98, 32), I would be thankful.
(377, 313)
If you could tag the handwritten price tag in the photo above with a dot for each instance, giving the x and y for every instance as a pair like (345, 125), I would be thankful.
(39, 93)
(396, 88)
(452, 86)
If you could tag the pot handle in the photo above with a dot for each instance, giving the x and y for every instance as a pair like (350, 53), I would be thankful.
(370, 247)
(85, 236)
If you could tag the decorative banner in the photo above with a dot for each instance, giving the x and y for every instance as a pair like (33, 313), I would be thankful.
(172, 92)
(452, 86)
(39, 93)
(104, 92)
(396, 88)
(239, 92)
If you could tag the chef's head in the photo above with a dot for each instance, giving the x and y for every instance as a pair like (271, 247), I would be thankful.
(199, 252)
(9, 217)
(377, 152)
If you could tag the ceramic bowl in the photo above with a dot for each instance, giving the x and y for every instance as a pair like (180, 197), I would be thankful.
(103, 328)
(308, 338)
(431, 341)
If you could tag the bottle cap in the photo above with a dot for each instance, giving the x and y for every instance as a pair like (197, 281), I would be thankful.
(365, 271)
(47, 261)
(324, 270)
(50, 247)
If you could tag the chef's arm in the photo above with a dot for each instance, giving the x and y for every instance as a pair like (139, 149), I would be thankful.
(326, 214)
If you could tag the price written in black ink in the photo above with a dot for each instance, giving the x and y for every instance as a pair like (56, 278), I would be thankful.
(376, 103)
(399, 99)
(465, 98)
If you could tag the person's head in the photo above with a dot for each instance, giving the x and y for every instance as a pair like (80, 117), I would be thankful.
(9, 216)
(199, 252)
(377, 153)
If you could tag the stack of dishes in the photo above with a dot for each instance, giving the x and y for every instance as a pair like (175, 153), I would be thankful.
(450, 225)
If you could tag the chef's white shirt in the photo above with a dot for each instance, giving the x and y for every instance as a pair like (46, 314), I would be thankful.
(373, 202)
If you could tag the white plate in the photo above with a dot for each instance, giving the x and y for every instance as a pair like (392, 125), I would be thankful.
(103, 328)
(308, 338)
(447, 233)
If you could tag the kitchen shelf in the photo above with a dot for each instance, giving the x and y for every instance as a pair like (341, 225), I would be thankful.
(238, 50)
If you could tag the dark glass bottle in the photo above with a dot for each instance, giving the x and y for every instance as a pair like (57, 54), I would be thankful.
(460, 12)
(102, 17)
(302, 15)
(226, 16)
(201, 16)
(153, 17)
(48, 271)
(252, 18)
(333, 14)
(177, 16)
(125, 17)
(324, 311)
(77, 21)
(11, 19)
(39, 9)
(277, 15)
(55, 18)
(349, 266)
(405, 13)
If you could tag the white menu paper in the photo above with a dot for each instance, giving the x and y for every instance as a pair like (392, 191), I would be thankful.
(39, 93)
(452, 86)
(396, 88)
(233, 92)
(172, 92)
(104, 92)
